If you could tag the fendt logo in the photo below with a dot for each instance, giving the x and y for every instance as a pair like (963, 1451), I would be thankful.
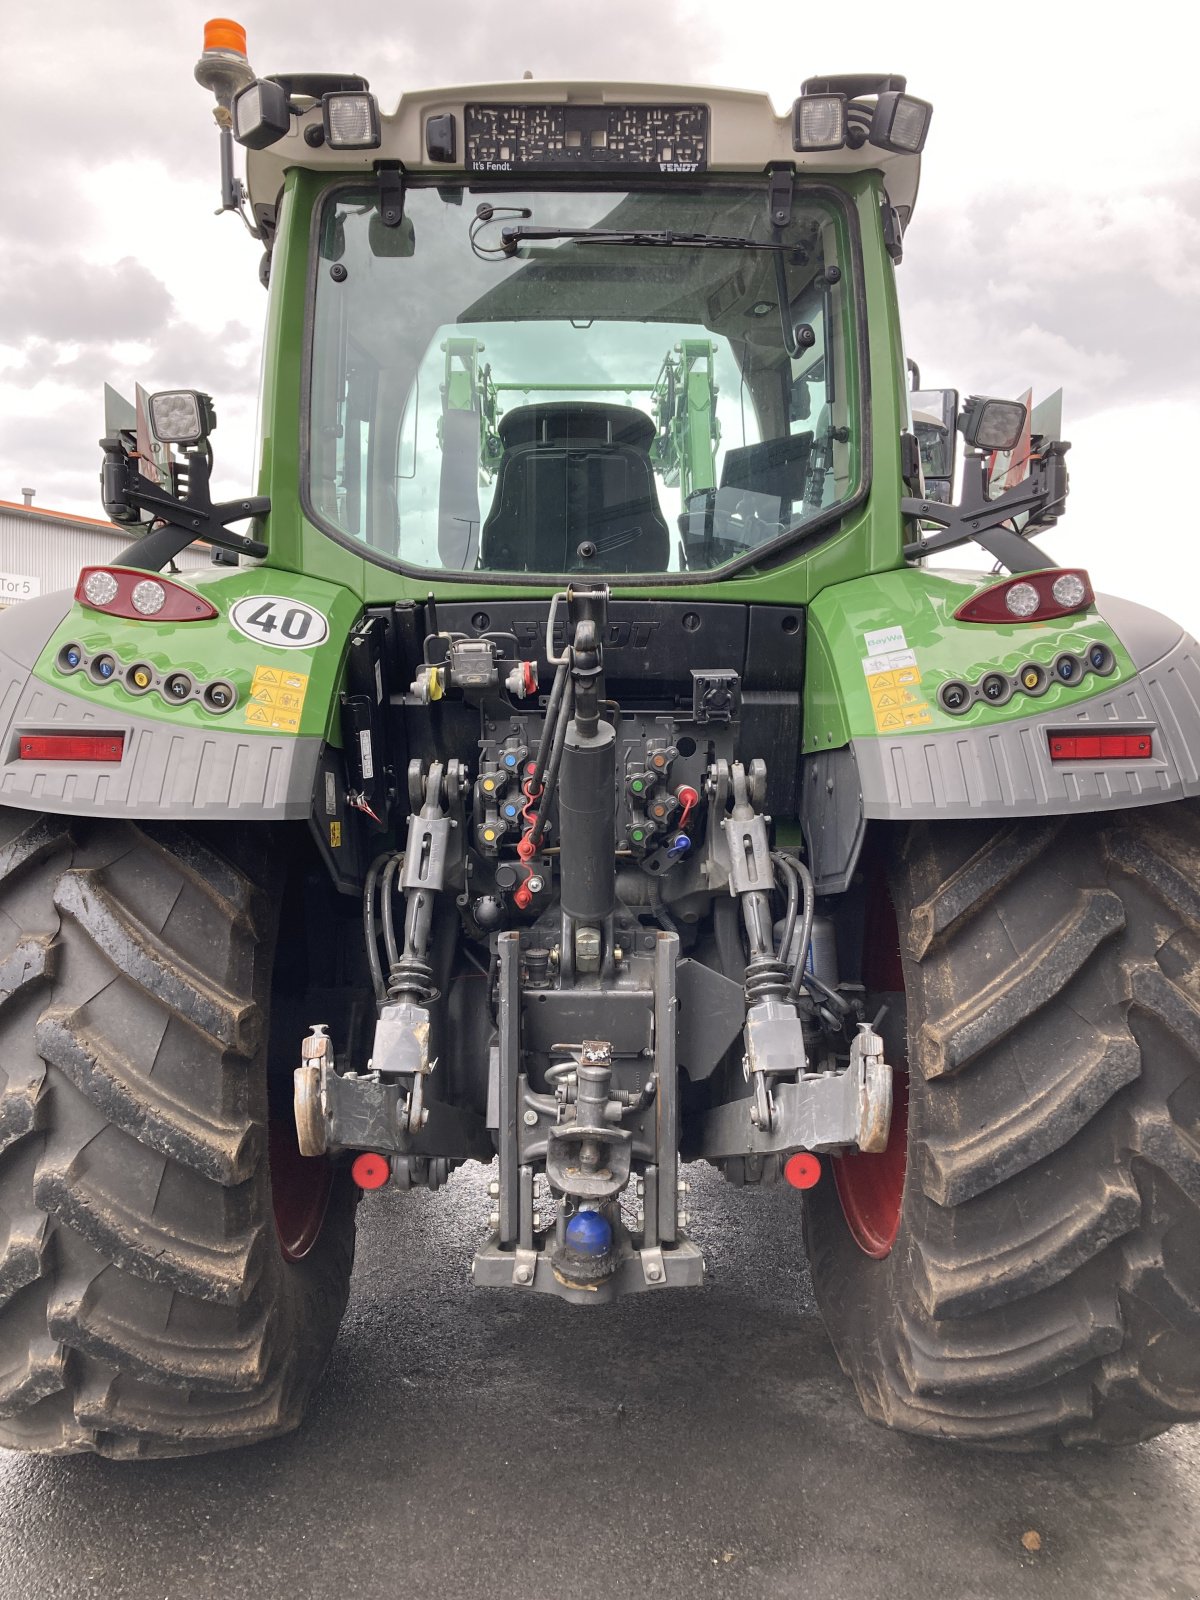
(617, 636)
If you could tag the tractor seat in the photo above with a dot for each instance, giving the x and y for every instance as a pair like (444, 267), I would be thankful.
(575, 493)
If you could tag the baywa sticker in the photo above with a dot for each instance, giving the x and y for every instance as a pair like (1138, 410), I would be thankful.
(286, 624)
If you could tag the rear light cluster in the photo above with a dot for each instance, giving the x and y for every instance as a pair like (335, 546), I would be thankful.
(1033, 597)
(108, 747)
(139, 677)
(1101, 747)
(129, 592)
(1068, 667)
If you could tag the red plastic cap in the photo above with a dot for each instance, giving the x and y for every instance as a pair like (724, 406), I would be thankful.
(803, 1170)
(370, 1171)
(222, 34)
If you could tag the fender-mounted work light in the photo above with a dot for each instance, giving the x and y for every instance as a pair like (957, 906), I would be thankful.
(351, 121)
(989, 424)
(181, 416)
(819, 122)
(900, 123)
(261, 114)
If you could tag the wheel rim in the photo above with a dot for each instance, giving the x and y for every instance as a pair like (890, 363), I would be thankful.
(300, 1187)
(871, 1187)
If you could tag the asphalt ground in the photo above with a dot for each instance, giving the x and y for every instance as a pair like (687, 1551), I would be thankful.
(690, 1444)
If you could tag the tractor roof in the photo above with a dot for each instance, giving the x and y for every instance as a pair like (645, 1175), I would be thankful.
(743, 132)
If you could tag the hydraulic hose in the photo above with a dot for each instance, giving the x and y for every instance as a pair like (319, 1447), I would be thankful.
(804, 878)
(554, 762)
(371, 928)
(550, 724)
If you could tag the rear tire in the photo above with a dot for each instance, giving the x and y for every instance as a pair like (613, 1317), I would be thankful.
(147, 1305)
(1044, 1282)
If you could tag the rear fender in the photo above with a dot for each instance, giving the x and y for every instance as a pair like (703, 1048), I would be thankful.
(256, 759)
(879, 742)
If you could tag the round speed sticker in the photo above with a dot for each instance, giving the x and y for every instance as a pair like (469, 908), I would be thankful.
(285, 624)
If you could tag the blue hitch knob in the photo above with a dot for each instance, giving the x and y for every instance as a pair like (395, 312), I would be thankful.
(589, 1234)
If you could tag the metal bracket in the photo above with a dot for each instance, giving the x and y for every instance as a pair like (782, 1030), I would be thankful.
(391, 195)
(524, 1268)
(1040, 496)
(781, 185)
(653, 1267)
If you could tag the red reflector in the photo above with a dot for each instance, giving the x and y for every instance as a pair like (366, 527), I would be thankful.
(370, 1171)
(71, 746)
(803, 1170)
(1101, 747)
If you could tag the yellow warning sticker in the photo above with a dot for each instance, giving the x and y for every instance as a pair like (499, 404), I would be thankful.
(276, 699)
(335, 836)
(893, 683)
(895, 719)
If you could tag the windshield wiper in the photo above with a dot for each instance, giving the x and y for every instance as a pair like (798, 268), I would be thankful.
(513, 236)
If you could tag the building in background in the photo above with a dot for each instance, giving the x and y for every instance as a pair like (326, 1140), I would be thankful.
(43, 550)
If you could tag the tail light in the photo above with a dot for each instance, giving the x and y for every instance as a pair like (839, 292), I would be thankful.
(1101, 747)
(71, 747)
(1033, 597)
(146, 597)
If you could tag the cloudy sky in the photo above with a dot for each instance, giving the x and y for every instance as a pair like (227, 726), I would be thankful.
(1056, 239)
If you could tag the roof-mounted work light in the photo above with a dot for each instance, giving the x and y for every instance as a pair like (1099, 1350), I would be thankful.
(900, 123)
(261, 114)
(351, 121)
(819, 122)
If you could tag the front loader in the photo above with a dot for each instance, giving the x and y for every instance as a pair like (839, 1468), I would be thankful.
(582, 763)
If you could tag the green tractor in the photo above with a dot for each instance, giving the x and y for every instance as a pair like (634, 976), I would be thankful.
(578, 766)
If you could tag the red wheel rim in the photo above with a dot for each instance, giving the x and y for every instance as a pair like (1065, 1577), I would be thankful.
(300, 1188)
(871, 1187)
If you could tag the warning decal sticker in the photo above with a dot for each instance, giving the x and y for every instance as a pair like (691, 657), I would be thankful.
(894, 685)
(276, 699)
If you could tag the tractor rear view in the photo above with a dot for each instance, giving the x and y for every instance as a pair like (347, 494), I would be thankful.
(581, 765)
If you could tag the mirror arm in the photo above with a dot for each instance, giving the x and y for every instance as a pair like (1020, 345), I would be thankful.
(184, 520)
(1040, 495)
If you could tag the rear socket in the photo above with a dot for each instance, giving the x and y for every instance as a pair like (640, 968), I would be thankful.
(1101, 659)
(955, 697)
(140, 678)
(219, 696)
(70, 657)
(178, 687)
(102, 668)
(995, 689)
(1033, 678)
(1068, 668)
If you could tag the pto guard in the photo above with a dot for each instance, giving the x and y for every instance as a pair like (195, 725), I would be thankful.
(880, 743)
(255, 758)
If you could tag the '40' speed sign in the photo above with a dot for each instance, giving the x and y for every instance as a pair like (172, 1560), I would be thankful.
(285, 624)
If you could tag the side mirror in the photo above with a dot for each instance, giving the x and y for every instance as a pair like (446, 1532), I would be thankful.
(181, 416)
(933, 418)
(989, 424)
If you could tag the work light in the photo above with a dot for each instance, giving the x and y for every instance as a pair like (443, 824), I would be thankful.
(819, 122)
(181, 416)
(261, 114)
(351, 121)
(989, 424)
(900, 123)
